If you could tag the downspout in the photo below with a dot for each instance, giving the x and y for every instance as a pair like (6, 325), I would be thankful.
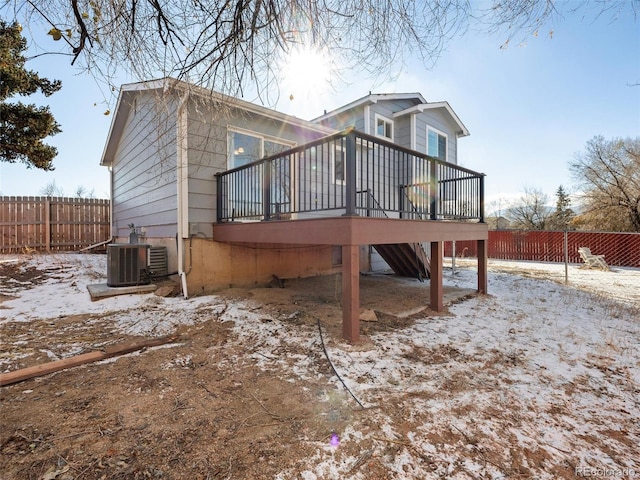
(112, 230)
(182, 179)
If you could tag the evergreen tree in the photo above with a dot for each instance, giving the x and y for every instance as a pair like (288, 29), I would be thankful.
(563, 213)
(23, 127)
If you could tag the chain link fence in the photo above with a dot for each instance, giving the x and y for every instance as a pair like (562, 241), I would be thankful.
(554, 256)
(619, 249)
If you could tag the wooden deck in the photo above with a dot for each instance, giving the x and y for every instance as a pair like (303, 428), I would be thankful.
(354, 189)
(350, 232)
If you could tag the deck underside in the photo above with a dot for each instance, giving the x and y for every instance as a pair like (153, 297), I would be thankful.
(350, 232)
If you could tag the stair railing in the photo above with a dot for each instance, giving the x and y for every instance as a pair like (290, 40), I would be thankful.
(373, 202)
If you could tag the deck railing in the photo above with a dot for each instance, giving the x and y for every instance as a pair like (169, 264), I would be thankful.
(350, 173)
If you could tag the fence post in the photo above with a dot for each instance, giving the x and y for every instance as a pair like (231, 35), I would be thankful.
(47, 223)
(453, 257)
(566, 256)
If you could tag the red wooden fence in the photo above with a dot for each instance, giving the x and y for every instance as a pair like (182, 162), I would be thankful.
(620, 249)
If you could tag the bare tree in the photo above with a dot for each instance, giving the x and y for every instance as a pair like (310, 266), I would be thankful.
(228, 45)
(609, 174)
(82, 192)
(518, 19)
(52, 189)
(532, 211)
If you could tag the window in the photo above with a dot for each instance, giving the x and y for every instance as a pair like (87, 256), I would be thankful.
(272, 148)
(384, 127)
(246, 195)
(436, 144)
(247, 147)
(244, 149)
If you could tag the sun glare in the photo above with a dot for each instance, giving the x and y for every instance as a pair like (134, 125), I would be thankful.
(306, 71)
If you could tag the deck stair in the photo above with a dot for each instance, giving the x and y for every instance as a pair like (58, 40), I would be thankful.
(406, 259)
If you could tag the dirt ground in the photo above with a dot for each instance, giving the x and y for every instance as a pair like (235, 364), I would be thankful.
(198, 407)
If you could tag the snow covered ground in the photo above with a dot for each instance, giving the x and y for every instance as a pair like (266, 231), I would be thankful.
(535, 380)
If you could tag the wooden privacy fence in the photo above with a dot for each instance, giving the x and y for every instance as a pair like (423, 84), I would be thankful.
(620, 249)
(52, 223)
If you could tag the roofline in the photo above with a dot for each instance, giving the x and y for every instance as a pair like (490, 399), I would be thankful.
(116, 124)
(130, 89)
(463, 132)
(369, 99)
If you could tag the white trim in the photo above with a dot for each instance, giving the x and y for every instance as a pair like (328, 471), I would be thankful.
(367, 119)
(377, 117)
(463, 132)
(439, 132)
(112, 229)
(414, 141)
(182, 164)
(182, 185)
(414, 133)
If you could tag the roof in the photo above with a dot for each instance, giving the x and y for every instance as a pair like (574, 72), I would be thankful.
(372, 98)
(129, 91)
(420, 105)
(462, 132)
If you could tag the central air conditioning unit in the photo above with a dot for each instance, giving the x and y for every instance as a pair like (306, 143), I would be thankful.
(127, 264)
(158, 267)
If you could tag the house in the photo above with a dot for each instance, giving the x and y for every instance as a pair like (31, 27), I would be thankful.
(498, 223)
(239, 193)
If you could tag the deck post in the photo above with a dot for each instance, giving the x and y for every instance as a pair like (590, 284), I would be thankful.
(350, 174)
(435, 286)
(433, 190)
(482, 266)
(481, 195)
(266, 190)
(351, 293)
(219, 196)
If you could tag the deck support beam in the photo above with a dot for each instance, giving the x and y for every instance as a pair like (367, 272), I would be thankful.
(351, 293)
(482, 266)
(435, 287)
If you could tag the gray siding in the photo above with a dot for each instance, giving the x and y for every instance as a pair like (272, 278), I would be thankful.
(207, 154)
(403, 131)
(440, 120)
(387, 108)
(208, 151)
(143, 171)
(350, 118)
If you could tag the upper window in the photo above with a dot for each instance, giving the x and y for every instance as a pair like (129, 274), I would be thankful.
(436, 144)
(247, 147)
(384, 127)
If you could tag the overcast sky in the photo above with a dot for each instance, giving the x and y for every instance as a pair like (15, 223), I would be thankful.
(529, 107)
